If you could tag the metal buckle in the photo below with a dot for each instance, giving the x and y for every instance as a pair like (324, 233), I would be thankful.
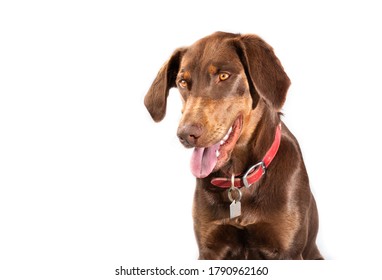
(250, 170)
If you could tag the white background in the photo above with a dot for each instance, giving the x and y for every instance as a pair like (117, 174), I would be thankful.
(88, 182)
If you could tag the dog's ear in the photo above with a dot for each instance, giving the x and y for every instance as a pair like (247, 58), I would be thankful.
(156, 97)
(265, 74)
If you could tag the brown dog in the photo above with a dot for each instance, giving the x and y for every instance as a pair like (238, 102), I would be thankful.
(233, 87)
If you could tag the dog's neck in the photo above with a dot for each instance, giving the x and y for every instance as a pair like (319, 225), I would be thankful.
(258, 134)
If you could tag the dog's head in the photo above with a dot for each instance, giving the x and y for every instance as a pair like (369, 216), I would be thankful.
(223, 79)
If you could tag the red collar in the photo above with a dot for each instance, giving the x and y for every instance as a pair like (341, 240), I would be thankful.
(255, 172)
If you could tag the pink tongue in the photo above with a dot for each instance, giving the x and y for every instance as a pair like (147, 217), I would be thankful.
(203, 161)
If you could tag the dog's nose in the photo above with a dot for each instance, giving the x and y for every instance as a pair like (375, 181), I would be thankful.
(188, 134)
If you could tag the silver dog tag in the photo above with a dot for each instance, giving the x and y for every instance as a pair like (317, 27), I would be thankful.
(235, 206)
(235, 209)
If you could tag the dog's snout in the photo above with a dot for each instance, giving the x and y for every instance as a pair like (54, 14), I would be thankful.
(189, 134)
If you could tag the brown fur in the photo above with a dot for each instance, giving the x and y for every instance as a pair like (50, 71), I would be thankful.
(279, 216)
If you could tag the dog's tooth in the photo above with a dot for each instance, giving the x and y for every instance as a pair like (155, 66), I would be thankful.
(226, 136)
(217, 153)
(229, 131)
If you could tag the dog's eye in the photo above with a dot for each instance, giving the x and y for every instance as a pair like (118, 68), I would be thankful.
(183, 83)
(223, 76)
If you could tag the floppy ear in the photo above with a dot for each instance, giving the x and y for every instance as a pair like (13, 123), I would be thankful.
(156, 97)
(265, 74)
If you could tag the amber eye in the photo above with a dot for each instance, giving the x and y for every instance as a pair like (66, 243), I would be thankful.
(183, 83)
(223, 76)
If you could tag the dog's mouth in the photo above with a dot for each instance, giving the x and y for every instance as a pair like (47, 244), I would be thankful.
(206, 160)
